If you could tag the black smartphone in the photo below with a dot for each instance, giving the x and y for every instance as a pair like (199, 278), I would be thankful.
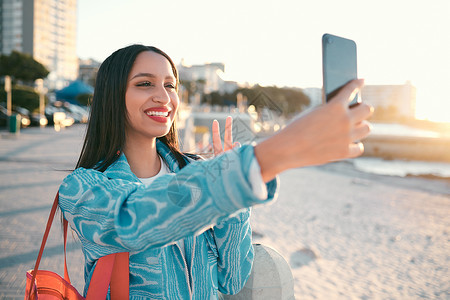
(339, 65)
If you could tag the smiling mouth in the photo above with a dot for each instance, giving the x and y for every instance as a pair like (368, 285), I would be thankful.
(157, 113)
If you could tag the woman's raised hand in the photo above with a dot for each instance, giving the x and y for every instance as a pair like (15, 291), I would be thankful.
(328, 133)
(227, 139)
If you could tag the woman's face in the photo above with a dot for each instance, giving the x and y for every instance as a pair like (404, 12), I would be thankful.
(151, 98)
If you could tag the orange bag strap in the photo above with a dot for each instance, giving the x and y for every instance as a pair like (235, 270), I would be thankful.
(111, 269)
(66, 273)
(44, 240)
(120, 279)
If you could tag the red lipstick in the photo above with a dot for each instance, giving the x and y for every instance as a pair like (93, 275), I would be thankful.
(158, 114)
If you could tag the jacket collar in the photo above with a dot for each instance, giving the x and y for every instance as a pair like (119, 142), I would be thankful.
(120, 169)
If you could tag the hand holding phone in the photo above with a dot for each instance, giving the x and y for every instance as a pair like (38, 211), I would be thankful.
(339, 63)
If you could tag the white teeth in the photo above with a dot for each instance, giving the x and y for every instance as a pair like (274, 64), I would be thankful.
(157, 113)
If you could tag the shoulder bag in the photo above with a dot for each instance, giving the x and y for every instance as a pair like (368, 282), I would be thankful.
(111, 270)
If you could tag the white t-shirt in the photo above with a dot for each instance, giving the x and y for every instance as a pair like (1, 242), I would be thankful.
(163, 171)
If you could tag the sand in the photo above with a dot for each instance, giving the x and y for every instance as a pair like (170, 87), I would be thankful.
(351, 235)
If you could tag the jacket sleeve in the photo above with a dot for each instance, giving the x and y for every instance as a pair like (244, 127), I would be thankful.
(123, 215)
(231, 241)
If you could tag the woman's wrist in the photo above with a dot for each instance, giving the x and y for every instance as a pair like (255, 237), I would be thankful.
(269, 158)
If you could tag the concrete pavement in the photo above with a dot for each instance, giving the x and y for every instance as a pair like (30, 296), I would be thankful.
(32, 166)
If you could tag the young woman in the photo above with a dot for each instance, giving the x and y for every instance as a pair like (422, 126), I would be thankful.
(185, 222)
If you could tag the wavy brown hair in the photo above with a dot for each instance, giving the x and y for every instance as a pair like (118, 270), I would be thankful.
(105, 135)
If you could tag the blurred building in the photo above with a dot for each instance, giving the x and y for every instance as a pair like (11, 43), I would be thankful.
(398, 100)
(206, 78)
(45, 29)
(389, 101)
(87, 71)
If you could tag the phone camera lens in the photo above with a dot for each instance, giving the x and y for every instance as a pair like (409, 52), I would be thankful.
(330, 40)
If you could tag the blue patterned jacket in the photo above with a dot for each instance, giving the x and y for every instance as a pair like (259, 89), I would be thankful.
(206, 204)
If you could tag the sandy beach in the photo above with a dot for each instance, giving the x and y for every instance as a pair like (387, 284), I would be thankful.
(351, 235)
(346, 234)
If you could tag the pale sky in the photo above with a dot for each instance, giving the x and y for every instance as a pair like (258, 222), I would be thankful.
(279, 42)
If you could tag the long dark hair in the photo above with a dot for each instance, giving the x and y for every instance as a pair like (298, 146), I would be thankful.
(105, 135)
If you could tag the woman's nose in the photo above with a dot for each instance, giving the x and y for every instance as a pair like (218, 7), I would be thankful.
(161, 96)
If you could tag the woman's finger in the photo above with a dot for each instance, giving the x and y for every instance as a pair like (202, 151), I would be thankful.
(361, 112)
(349, 91)
(228, 138)
(355, 150)
(217, 143)
(361, 131)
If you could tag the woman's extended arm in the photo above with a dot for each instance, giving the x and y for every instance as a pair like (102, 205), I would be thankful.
(122, 212)
(326, 134)
(119, 212)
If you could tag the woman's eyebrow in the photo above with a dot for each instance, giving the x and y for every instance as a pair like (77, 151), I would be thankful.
(143, 75)
(150, 75)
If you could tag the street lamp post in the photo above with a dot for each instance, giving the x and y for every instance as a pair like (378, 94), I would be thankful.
(8, 94)
(41, 90)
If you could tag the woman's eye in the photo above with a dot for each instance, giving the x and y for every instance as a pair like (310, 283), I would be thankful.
(144, 83)
(170, 86)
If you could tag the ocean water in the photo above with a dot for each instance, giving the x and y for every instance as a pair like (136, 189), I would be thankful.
(401, 168)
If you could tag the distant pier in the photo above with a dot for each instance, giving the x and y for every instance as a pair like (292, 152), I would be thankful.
(425, 146)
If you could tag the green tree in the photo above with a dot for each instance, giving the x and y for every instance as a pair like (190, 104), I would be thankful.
(285, 101)
(23, 96)
(22, 67)
(193, 87)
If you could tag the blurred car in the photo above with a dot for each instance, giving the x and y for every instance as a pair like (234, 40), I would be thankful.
(3, 117)
(23, 112)
(79, 114)
(60, 119)
(38, 119)
(24, 115)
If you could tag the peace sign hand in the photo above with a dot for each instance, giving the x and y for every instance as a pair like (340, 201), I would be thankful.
(228, 139)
